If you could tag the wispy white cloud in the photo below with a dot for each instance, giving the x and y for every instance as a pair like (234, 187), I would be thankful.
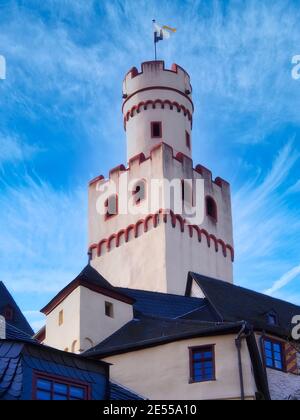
(43, 234)
(264, 225)
(294, 188)
(14, 150)
(286, 279)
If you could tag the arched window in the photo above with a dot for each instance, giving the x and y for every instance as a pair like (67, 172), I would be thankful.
(111, 206)
(139, 191)
(211, 208)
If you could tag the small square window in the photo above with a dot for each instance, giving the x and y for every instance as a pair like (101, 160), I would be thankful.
(109, 309)
(156, 129)
(61, 317)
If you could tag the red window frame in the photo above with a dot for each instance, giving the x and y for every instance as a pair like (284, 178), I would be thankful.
(202, 349)
(59, 380)
(153, 123)
(214, 216)
(107, 214)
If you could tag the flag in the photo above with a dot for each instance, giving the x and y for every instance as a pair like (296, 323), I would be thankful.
(162, 32)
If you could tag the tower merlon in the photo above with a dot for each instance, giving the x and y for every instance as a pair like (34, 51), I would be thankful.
(154, 73)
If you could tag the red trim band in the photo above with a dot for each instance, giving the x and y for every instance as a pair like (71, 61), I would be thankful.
(167, 215)
(158, 88)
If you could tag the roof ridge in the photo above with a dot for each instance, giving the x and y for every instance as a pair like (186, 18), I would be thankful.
(245, 289)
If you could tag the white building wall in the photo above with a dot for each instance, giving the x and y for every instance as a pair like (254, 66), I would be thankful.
(84, 321)
(162, 372)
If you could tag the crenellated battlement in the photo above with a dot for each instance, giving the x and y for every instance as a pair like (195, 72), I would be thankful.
(184, 160)
(154, 73)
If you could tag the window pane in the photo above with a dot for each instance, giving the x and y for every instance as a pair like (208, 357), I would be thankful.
(277, 348)
(60, 388)
(43, 384)
(277, 356)
(208, 373)
(59, 397)
(269, 354)
(278, 364)
(197, 356)
(269, 362)
(208, 355)
(43, 395)
(268, 345)
(208, 365)
(76, 392)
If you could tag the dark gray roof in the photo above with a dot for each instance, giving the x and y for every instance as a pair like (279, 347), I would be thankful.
(167, 305)
(18, 326)
(90, 278)
(11, 372)
(90, 275)
(233, 303)
(15, 356)
(118, 393)
(151, 331)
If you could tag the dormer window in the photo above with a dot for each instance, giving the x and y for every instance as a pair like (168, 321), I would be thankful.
(111, 206)
(272, 318)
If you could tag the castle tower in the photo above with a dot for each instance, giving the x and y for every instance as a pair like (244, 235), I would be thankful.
(155, 250)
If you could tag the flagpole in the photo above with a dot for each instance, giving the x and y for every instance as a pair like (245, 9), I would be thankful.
(155, 51)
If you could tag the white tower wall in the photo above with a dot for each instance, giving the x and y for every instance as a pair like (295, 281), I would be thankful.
(154, 250)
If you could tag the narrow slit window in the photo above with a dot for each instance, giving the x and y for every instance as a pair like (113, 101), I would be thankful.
(188, 140)
(156, 129)
(61, 317)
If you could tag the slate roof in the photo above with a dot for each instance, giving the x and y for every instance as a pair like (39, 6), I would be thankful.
(151, 331)
(89, 278)
(119, 393)
(16, 356)
(167, 305)
(11, 371)
(18, 327)
(233, 303)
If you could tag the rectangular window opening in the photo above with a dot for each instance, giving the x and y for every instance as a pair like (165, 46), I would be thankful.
(61, 317)
(274, 358)
(202, 364)
(188, 140)
(109, 309)
(156, 129)
(48, 388)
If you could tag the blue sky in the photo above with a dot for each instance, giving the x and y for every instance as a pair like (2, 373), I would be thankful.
(61, 125)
